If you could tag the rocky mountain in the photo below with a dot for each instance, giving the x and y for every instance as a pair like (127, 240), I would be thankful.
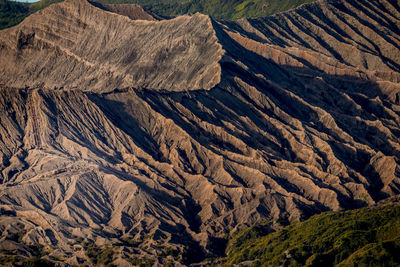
(128, 140)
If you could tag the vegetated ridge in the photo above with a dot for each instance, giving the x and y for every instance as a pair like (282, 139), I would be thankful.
(224, 9)
(364, 237)
(11, 13)
(163, 137)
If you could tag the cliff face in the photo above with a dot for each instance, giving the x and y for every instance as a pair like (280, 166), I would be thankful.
(173, 133)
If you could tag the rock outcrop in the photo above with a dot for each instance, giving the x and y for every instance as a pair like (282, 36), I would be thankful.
(167, 135)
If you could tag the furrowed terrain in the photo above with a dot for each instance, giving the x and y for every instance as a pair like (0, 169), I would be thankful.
(131, 141)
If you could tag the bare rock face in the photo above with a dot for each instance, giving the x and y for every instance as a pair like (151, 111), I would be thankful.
(76, 45)
(168, 135)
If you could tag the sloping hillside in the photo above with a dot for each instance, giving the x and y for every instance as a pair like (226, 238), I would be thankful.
(365, 237)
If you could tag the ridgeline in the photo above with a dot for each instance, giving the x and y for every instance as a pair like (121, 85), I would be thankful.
(12, 13)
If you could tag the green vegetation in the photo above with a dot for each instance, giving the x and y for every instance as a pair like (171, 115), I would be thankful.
(103, 256)
(168, 251)
(42, 4)
(7, 259)
(16, 260)
(12, 13)
(35, 262)
(364, 237)
(37, 251)
(141, 262)
(222, 9)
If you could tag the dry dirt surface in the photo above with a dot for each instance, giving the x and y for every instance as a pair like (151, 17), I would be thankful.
(162, 137)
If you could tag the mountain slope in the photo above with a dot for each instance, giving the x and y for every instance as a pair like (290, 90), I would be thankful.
(210, 126)
(223, 9)
(12, 13)
(369, 236)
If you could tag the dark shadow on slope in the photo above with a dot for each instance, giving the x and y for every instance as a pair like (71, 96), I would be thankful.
(294, 82)
(232, 25)
(337, 86)
(187, 209)
(366, 8)
(121, 114)
(68, 126)
(390, 63)
(287, 89)
(316, 37)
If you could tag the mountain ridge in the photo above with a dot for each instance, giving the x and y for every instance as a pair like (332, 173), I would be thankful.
(288, 126)
(95, 61)
(12, 13)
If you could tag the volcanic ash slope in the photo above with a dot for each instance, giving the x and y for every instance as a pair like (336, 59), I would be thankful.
(173, 133)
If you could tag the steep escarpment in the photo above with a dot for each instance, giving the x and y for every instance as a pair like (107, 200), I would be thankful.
(75, 44)
(272, 118)
(336, 37)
